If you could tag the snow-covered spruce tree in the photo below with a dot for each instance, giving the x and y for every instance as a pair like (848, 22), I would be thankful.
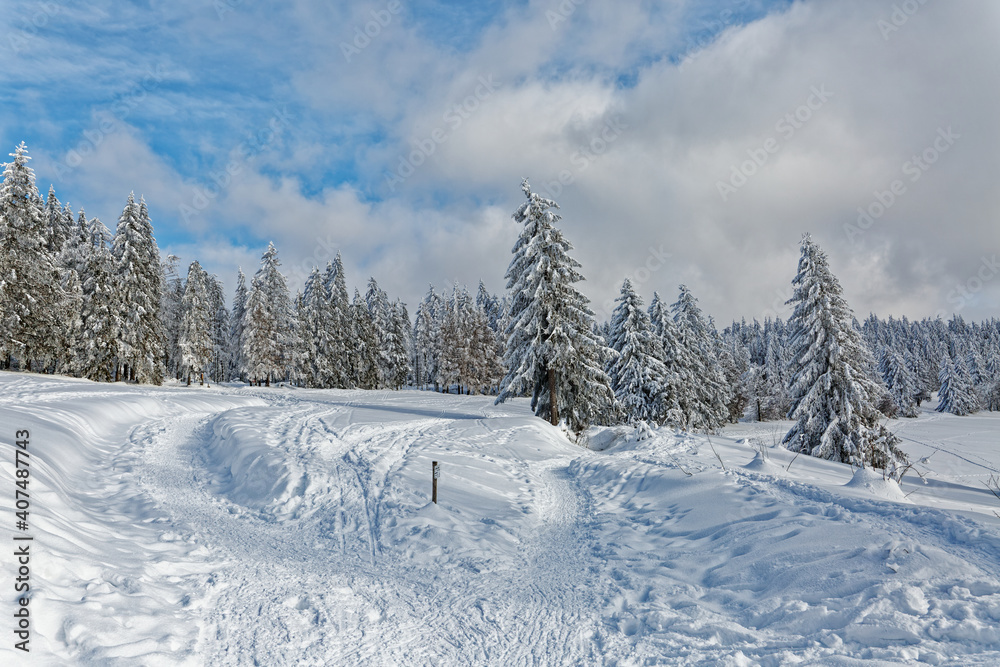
(427, 339)
(195, 336)
(76, 249)
(137, 267)
(900, 381)
(341, 323)
(31, 298)
(455, 337)
(55, 229)
(957, 395)
(552, 351)
(236, 320)
(703, 397)
(390, 343)
(268, 324)
(171, 312)
(222, 348)
(364, 357)
(102, 308)
(316, 334)
(401, 344)
(832, 387)
(485, 353)
(637, 372)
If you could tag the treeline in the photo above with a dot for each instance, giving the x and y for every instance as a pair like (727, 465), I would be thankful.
(77, 299)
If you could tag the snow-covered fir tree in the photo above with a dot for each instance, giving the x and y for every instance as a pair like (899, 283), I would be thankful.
(704, 396)
(393, 359)
(222, 346)
(900, 381)
(400, 346)
(76, 248)
(31, 296)
(137, 268)
(364, 356)
(341, 324)
(315, 360)
(236, 320)
(637, 371)
(553, 352)
(268, 334)
(832, 386)
(102, 308)
(427, 339)
(957, 394)
(455, 328)
(195, 337)
(172, 286)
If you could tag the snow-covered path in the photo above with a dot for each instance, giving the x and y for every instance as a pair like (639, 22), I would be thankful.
(236, 526)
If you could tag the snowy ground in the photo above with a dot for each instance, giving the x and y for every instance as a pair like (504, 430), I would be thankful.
(236, 526)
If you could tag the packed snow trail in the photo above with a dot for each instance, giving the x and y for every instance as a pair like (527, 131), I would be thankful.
(235, 526)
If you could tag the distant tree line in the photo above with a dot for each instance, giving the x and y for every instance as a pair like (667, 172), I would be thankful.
(79, 300)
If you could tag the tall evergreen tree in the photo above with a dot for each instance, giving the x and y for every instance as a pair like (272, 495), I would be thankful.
(137, 267)
(237, 319)
(102, 308)
(195, 338)
(552, 350)
(341, 324)
(222, 347)
(171, 312)
(268, 325)
(638, 374)
(31, 296)
(957, 394)
(703, 398)
(900, 381)
(427, 339)
(832, 388)
(364, 353)
(316, 333)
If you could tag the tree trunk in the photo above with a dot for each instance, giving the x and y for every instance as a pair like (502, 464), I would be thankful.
(202, 379)
(267, 381)
(553, 407)
(758, 409)
(189, 379)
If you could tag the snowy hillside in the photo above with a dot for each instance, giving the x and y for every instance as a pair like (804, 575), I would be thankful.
(236, 526)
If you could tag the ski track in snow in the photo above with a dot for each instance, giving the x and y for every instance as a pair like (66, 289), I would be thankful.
(244, 526)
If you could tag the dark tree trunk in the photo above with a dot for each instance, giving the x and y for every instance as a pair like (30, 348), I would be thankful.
(553, 407)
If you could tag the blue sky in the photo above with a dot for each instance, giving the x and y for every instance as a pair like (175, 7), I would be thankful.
(244, 122)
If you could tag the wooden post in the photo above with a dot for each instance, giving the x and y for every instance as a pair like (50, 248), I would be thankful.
(435, 473)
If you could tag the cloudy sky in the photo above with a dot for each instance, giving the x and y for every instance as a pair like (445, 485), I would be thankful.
(686, 141)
